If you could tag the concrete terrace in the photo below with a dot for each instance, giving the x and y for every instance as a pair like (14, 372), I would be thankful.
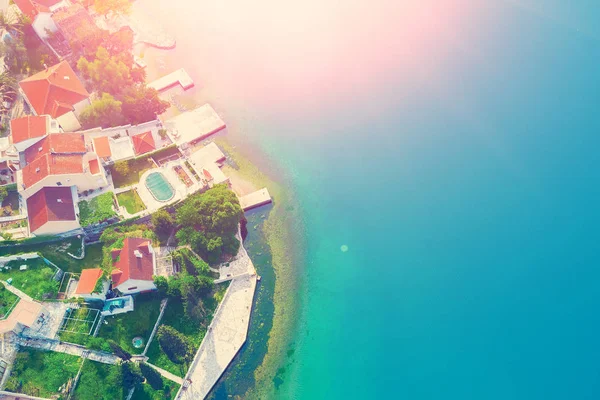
(193, 126)
(227, 332)
(255, 199)
(179, 77)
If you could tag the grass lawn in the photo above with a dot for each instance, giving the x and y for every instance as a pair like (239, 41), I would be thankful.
(12, 200)
(80, 325)
(96, 210)
(194, 330)
(144, 391)
(41, 373)
(131, 201)
(99, 382)
(123, 328)
(36, 280)
(136, 168)
(7, 300)
(57, 253)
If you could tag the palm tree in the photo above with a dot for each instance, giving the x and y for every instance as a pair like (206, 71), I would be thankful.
(11, 23)
(8, 89)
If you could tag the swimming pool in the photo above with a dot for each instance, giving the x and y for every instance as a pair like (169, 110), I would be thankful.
(160, 188)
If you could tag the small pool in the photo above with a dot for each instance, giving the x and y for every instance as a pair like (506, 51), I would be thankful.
(160, 188)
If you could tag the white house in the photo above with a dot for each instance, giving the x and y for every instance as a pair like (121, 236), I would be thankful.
(134, 266)
(60, 159)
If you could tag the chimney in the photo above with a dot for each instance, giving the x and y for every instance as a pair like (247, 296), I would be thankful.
(137, 253)
(46, 66)
(37, 169)
(59, 200)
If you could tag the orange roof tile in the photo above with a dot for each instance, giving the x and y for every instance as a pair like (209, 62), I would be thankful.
(131, 267)
(31, 8)
(87, 281)
(50, 204)
(51, 164)
(94, 167)
(102, 147)
(57, 143)
(54, 91)
(28, 127)
(143, 143)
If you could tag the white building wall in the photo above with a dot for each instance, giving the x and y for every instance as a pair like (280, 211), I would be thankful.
(97, 296)
(56, 227)
(139, 285)
(85, 181)
(43, 21)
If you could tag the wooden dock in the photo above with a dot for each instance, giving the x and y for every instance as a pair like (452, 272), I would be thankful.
(255, 199)
(179, 77)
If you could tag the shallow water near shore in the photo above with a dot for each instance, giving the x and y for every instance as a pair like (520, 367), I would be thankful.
(438, 172)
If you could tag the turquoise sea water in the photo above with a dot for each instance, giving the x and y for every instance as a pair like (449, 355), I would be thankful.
(452, 146)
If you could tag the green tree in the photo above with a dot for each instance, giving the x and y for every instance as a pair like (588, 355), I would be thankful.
(163, 223)
(122, 167)
(174, 344)
(116, 7)
(104, 112)
(131, 375)
(162, 284)
(107, 74)
(152, 376)
(142, 104)
(209, 223)
(3, 193)
(119, 351)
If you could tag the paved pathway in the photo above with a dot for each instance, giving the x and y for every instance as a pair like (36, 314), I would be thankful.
(16, 291)
(167, 374)
(163, 305)
(226, 335)
(67, 348)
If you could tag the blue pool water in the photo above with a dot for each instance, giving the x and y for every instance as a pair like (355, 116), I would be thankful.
(160, 188)
(452, 146)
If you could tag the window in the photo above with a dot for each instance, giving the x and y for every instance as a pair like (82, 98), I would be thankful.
(132, 288)
(58, 184)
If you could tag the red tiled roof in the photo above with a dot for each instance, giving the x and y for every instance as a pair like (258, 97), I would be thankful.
(75, 23)
(31, 8)
(131, 267)
(44, 206)
(28, 127)
(143, 143)
(57, 143)
(54, 91)
(87, 281)
(102, 147)
(94, 167)
(52, 164)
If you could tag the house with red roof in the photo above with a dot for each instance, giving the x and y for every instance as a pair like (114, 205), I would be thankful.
(28, 130)
(60, 159)
(143, 143)
(92, 285)
(57, 92)
(52, 210)
(134, 266)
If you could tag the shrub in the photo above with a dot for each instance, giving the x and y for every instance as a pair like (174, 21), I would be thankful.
(174, 344)
(152, 377)
(122, 167)
(118, 350)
